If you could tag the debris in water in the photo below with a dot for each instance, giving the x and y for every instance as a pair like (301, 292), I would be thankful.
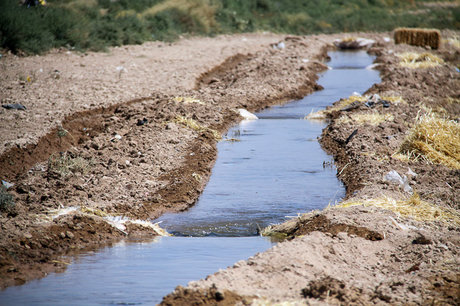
(119, 223)
(247, 115)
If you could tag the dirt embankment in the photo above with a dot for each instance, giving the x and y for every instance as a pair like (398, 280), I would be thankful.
(85, 178)
(388, 242)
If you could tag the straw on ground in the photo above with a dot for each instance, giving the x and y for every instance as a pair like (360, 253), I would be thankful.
(435, 139)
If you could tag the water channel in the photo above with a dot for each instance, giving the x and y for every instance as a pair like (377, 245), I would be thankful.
(275, 170)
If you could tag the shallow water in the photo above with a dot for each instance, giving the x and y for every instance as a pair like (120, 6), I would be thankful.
(134, 273)
(276, 167)
(275, 170)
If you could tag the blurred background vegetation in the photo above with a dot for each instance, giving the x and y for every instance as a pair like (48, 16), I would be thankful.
(98, 24)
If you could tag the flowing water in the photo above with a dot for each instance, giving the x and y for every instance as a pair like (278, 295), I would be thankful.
(275, 169)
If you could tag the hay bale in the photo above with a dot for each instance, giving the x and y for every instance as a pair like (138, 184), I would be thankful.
(418, 37)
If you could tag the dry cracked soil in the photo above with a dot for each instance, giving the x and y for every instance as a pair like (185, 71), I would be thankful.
(132, 134)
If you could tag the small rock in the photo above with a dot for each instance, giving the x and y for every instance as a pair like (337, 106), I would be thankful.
(27, 236)
(142, 122)
(69, 234)
(62, 234)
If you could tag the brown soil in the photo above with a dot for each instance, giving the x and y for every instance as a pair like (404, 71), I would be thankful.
(137, 160)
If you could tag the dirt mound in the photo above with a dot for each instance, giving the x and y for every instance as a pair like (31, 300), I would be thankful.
(207, 297)
(320, 223)
(332, 291)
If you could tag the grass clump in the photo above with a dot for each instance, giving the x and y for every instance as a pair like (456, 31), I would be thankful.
(322, 114)
(188, 100)
(435, 139)
(192, 124)
(7, 203)
(373, 118)
(419, 60)
(64, 164)
(412, 207)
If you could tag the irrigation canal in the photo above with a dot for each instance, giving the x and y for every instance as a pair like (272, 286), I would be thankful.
(274, 170)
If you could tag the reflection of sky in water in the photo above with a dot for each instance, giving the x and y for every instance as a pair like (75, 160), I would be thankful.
(276, 170)
(135, 273)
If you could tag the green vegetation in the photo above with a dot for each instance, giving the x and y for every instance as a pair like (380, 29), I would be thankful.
(97, 24)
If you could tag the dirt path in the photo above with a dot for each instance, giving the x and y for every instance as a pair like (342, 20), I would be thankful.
(100, 150)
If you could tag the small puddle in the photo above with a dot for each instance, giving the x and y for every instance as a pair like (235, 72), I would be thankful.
(276, 169)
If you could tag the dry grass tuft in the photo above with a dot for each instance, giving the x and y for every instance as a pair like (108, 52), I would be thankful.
(93, 211)
(419, 60)
(418, 37)
(436, 139)
(373, 118)
(65, 164)
(188, 100)
(412, 207)
(322, 114)
(192, 124)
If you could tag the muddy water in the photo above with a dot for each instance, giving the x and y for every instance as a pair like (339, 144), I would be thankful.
(275, 169)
